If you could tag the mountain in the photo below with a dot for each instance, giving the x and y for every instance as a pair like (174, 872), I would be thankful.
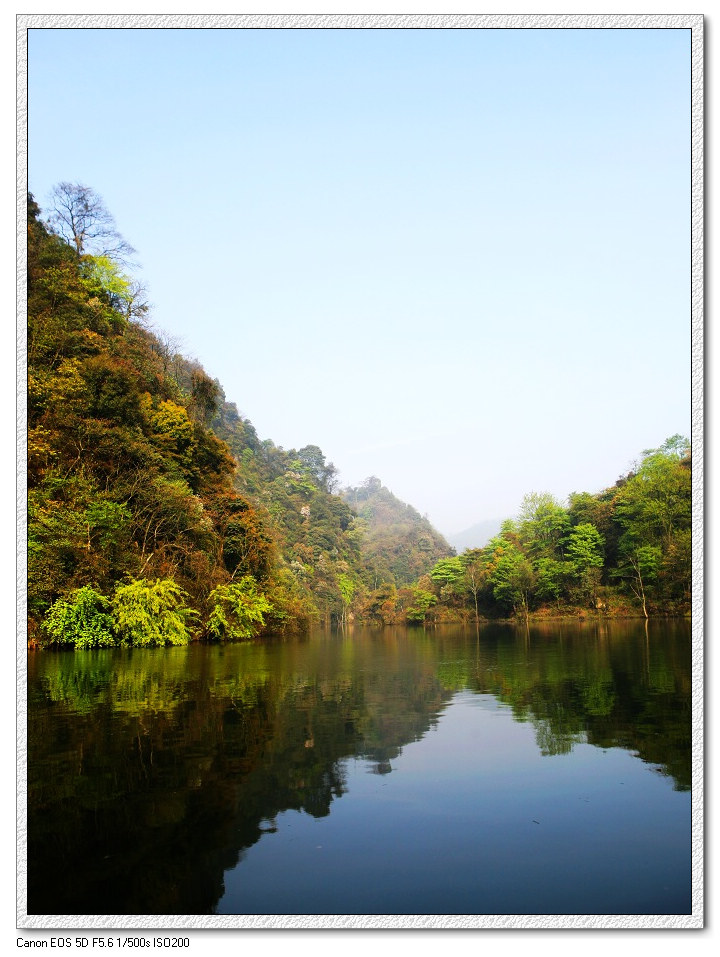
(397, 544)
(477, 536)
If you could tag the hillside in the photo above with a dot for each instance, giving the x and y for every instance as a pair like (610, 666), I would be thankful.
(398, 545)
(154, 510)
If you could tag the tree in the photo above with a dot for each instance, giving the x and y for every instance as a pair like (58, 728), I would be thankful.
(475, 575)
(80, 217)
(322, 473)
(552, 576)
(543, 524)
(126, 295)
(513, 579)
(585, 546)
(653, 507)
(347, 589)
(422, 601)
(204, 396)
(382, 603)
(447, 572)
(655, 501)
(584, 549)
(641, 571)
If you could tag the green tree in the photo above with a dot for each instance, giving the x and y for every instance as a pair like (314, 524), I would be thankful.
(655, 501)
(347, 589)
(475, 574)
(513, 580)
(422, 601)
(126, 295)
(323, 473)
(447, 572)
(584, 549)
(551, 578)
(543, 525)
(653, 507)
(640, 569)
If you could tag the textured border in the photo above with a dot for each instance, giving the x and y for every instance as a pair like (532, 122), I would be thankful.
(693, 22)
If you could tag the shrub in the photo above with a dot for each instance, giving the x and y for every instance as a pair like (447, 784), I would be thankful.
(152, 613)
(81, 620)
(238, 610)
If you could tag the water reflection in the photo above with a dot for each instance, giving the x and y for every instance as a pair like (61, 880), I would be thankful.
(151, 773)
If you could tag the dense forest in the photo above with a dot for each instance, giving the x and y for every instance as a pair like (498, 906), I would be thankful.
(157, 516)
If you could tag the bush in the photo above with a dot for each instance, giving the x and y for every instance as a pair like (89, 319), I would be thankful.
(82, 620)
(238, 610)
(152, 613)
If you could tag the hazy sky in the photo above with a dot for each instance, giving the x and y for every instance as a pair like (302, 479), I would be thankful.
(455, 259)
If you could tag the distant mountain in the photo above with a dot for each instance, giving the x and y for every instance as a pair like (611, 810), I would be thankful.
(477, 536)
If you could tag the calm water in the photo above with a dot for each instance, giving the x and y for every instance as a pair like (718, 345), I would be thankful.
(372, 772)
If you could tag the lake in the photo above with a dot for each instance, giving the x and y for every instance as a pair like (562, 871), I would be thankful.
(447, 771)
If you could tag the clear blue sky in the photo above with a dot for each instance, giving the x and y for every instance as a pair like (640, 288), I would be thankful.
(455, 259)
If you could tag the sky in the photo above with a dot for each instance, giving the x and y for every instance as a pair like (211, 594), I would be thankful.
(458, 260)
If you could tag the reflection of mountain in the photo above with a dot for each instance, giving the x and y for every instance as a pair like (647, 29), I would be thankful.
(150, 773)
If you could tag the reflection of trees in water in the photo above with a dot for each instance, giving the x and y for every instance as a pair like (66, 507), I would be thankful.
(146, 798)
(151, 773)
(555, 737)
(609, 687)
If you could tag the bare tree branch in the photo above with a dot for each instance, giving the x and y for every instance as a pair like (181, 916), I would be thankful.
(80, 217)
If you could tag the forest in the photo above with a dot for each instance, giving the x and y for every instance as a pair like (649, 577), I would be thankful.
(157, 516)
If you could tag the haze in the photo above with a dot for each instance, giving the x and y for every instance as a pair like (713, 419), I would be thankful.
(454, 259)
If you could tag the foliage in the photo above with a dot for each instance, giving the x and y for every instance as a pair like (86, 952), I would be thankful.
(584, 548)
(238, 610)
(552, 576)
(543, 525)
(81, 620)
(447, 571)
(152, 613)
(125, 477)
(422, 601)
(513, 580)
